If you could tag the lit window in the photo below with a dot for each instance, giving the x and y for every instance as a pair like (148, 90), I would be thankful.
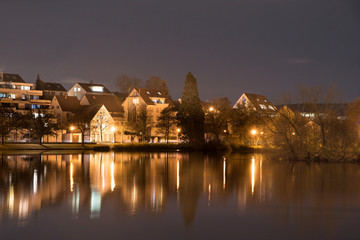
(148, 92)
(159, 93)
(135, 101)
(257, 99)
(97, 89)
(271, 107)
(75, 89)
(262, 106)
(265, 101)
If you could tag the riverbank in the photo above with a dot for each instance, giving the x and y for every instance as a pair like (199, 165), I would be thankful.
(128, 147)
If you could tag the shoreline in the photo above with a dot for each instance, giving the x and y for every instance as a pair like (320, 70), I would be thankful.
(167, 147)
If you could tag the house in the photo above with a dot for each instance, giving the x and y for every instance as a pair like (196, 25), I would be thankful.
(64, 108)
(101, 126)
(80, 89)
(154, 101)
(49, 89)
(257, 103)
(19, 95)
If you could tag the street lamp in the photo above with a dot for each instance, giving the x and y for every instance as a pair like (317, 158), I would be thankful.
(211, 109)
(178, 131)
(72, 128)
(253, 132)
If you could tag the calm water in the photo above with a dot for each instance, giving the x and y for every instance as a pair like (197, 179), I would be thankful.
(175, 196)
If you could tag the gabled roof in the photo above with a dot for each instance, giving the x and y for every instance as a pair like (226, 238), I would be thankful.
(86, 87)
(11, 77)
(146, 94)
(90, 110)
(339, 108)
(259, 102)
(53, 87)
(121, 96)
(111, 102)
(68, 103)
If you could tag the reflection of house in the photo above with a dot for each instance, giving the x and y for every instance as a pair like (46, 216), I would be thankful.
(80, 89)
(256, 102)
(154, 101)
(50, 89)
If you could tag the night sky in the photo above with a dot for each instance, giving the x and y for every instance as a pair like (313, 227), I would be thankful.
(260, 46)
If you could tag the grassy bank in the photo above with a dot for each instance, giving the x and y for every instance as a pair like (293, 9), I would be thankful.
(209, 147)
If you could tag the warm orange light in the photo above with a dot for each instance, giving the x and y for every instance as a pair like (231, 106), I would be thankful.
(261, 133)
(253, 132)
(178, 130)
(113, 129)
(72, 128)
(211, 109)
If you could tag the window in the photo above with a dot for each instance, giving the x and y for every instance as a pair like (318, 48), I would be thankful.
(159, 93)
(97, 88)
(262, 106)
(271, 107)
(148, 92)
(75, 89)
(135, 101)
(257, 100)
(265, 100)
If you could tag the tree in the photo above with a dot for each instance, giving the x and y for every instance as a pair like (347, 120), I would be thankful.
(143, 123)
(191, 115)
(217, 117)
(9, 120)
(42, 122)
(127, 83)
(82, 122)
(157, 83)
(167, 122)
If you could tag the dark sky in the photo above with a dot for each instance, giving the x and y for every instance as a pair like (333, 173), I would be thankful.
(261, 46)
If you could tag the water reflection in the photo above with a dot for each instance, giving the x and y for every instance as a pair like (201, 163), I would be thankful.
(131, 183)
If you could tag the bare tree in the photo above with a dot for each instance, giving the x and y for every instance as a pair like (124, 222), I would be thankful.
(127, 83)
(158, 83)
(167, 122)
(143, 122)
(82, 122)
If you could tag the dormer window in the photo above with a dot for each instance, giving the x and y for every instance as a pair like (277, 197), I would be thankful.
(262, 106)
(159, 93)
(265, 101)
(271, 107)
(148, 92)
(97, 88)
(257, 99)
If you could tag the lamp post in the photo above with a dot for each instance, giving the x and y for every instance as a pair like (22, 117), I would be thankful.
(178, 131)
(253, 133)
(72, 128)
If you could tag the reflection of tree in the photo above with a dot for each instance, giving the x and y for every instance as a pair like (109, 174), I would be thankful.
(191, 186)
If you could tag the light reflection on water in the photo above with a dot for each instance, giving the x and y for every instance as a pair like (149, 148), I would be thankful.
(234, 192)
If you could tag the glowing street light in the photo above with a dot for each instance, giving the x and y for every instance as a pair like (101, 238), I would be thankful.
(113, 129)
(211, 109)
(72, 128)
(253, 132)
(178, 130)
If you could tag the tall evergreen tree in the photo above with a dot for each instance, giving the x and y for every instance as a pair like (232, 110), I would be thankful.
(191, 115)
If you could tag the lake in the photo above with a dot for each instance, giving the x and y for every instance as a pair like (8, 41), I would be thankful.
(116, 195)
